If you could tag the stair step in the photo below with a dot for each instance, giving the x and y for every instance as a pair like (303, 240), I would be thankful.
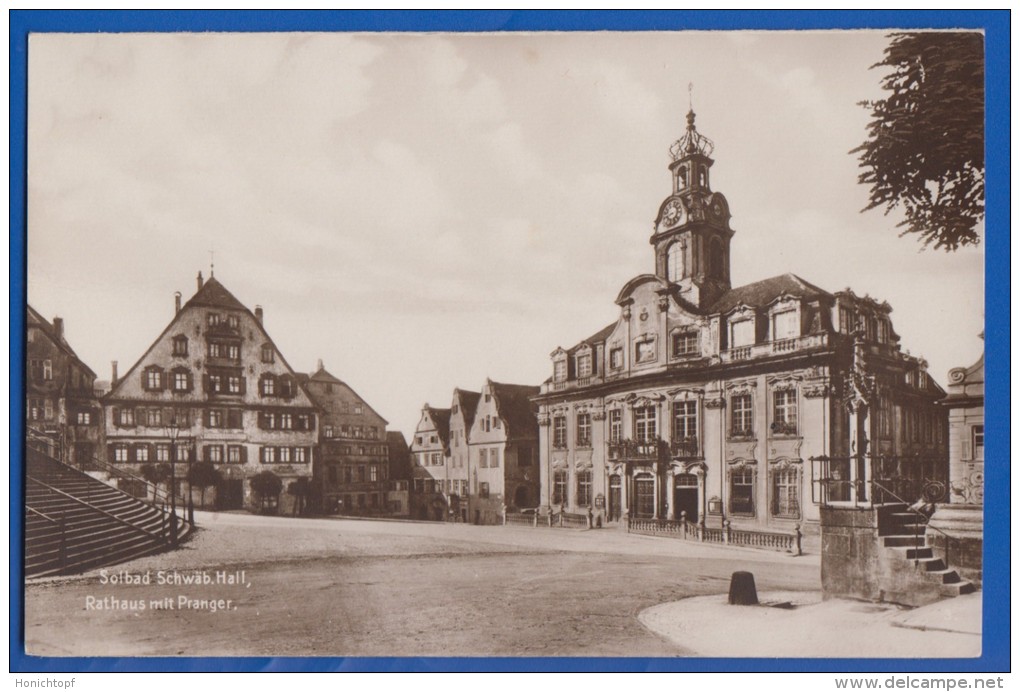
(903, 541)
(912, 553)
(944, 576)
(960, 588)
(934, 564)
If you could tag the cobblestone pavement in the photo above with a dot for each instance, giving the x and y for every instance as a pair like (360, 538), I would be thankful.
(327, 587)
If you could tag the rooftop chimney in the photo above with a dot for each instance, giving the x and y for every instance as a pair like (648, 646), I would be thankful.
(177, 302)
(201, 281)
(258, 313)
(113, 368)
(318, 365)
(58, 327)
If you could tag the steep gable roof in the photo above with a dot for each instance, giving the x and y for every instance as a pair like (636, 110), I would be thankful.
(597, 338)
(468, 402)
(35, 319)
(761, 293)
(323, 375)
(213, 294)
(514, 405)
(441, 418)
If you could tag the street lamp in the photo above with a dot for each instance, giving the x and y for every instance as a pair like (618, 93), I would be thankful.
(173, 431)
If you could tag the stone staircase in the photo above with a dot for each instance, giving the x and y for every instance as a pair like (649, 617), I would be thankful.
(74, 522)
(910, 572)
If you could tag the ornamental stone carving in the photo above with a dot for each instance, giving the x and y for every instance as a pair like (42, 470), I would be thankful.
(715, 403)
(817, 391)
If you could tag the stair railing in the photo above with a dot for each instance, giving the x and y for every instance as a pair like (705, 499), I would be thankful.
(113, 470)
(924, 517)
(61, 525)
(100, 510)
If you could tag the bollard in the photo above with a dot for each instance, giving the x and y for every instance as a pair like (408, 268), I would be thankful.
(742, 590)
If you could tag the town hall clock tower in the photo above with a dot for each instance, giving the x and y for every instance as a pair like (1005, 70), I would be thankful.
(692, 229)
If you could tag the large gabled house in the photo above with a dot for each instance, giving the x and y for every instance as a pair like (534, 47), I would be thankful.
(214, 387)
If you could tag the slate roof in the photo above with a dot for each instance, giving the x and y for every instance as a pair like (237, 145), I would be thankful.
(761, 293)
(596, 338)
(513, 402)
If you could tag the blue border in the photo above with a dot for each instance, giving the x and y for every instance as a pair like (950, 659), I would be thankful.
(996, 638)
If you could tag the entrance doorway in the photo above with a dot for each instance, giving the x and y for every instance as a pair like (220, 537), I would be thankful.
(685, 496)
(615, 505)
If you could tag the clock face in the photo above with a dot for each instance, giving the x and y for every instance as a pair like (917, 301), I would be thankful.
(673, 213)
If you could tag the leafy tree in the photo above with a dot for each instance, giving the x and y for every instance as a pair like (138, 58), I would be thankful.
(300, 489)
(925, 146)
(203, 474)
(156, 474)
(267, 485)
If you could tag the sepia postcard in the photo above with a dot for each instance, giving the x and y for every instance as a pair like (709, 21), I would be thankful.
(616, 344)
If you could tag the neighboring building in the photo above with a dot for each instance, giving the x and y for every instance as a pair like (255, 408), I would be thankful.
(352, 465)
(216, 376)
(430, 452)
(503, 443)
(966, 404)
(462, 415)
(399, 457)
(60, 398)
(961, 521)
(707, 401)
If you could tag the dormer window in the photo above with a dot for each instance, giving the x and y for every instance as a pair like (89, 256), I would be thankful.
(559, 371)
(785, 325)
(584, 364)
(742, 333)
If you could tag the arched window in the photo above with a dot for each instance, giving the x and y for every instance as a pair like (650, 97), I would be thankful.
(675, 262)
(715, 258)
(703, 176)
(681, 178)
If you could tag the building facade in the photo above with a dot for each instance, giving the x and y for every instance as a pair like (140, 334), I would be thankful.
(706, 402)
(61, 405)
(966, 405)
(351, 467)
(399, 462)
(503, 452)
(431, 473)
(214, 387)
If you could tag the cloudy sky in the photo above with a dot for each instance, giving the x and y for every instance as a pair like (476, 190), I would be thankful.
(426, 211)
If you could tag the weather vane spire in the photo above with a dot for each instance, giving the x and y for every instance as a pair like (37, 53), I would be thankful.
(690, 95)
(212, 262)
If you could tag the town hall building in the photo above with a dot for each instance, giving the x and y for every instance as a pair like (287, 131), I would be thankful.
(705, 402)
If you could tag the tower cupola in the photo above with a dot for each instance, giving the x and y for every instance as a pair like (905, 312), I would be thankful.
(692, 229)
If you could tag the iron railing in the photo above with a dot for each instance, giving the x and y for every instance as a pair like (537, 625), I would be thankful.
(726, 534)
